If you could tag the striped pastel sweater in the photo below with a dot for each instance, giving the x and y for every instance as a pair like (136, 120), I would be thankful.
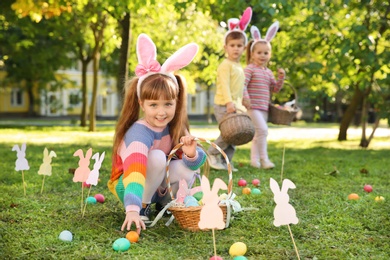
(259, 82)
(132, 159)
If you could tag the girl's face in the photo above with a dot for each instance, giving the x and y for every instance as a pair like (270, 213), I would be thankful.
(261, 54)
(234, 49)
(158, 113)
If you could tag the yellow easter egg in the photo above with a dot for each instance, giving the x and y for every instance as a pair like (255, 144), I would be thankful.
(237, 249)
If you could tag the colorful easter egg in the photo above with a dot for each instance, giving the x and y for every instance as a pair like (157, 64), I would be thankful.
(121, 244)
(90, 200)
(237, 249)
(256, 191)
(99, 198)
(66, 236)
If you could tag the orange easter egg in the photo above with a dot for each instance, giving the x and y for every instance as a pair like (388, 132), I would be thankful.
(353, 196)
(132, 236)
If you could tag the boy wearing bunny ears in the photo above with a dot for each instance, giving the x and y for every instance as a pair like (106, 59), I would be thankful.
(230, 84)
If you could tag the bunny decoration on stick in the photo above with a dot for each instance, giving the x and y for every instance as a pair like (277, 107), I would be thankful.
(21, 162)
(240, 25)
(93, 176)
(284, 212)
(185, 191)
(45, 168)
(82, 172)
(211, 215)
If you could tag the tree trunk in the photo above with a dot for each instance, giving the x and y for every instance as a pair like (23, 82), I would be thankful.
(83, 116)
(363, 140)
(29, 85)
(123, 69)
(92, 110)
(349, 113)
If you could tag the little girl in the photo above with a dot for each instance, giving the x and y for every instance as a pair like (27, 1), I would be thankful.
(259, 83)
(141, 145)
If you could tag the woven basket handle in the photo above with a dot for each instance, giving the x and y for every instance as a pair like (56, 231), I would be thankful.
(295, 105)
(178, 146)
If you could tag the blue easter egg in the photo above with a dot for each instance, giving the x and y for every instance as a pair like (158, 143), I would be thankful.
(90, 200)
(66, 236)
(121, 244)
(192, 203)
(189, 198)
(256, 191)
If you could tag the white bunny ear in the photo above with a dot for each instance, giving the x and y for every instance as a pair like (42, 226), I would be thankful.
(274, 186)
(233, 23)
(23, 147)
(45, 153)
(52, 154)
(256, 35)
(245, 19)
(287, 184)
(146, 49)
(95, 156)
(180, 58)
(102, 157)
(271, 32)
(15, 148)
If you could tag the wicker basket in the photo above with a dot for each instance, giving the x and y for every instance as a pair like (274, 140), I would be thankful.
(188, 218)
(237, 128)
(279, 116)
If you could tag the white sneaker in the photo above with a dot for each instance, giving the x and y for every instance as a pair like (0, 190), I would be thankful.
(256, 165)
(267, 164)
(215, 163)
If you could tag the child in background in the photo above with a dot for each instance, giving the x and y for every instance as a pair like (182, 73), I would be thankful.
(259, 83)
(230, 84)
(141, 145)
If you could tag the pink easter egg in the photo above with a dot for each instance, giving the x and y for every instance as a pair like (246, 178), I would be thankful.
(216, 258)
(85, 185)
(99, 198)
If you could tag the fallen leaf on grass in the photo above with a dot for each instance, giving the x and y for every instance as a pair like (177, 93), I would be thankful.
(332, 173)
(364, 171)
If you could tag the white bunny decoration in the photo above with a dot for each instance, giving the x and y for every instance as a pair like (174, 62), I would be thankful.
(284, 213)
(21, 162)
(93, 176)
(148, 65)
(211, 215)
(45, 168)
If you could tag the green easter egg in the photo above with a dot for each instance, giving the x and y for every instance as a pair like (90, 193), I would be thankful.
(199, 195)
(256, 191)
(90, 200)
(121, 244)
(241, 257)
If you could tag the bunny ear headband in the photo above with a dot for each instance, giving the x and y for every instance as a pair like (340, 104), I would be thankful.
(148, 65)
(271, 32)
(235, 24)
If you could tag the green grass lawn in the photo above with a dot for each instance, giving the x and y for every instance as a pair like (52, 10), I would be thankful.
(330, 226)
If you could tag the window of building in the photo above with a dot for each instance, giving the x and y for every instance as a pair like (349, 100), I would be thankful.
(74, 99)
(16, 97)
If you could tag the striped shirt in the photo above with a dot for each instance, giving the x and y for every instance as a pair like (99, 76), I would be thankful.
(259, 82)
(132, 159)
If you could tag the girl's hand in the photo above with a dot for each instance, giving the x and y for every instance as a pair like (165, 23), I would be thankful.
(189, 145)
(246, 103)
(133, 216)
(281, 73)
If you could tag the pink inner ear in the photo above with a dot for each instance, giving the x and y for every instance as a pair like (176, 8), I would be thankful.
(271, 34)
(256, 35)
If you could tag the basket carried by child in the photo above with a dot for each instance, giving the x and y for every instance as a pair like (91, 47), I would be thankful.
(280, 115)
(188, 217)
(237, 128)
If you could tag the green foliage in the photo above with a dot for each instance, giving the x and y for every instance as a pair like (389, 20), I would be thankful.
(324, 171)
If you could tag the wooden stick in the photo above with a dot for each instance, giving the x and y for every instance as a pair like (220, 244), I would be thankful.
(24, 184)
(85, 205)
(82, 196)
(43, 183)
(295, 247)
(215, 247)
(281, 173)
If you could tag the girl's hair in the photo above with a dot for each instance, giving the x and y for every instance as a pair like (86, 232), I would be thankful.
(153, 87)
(251, 47)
